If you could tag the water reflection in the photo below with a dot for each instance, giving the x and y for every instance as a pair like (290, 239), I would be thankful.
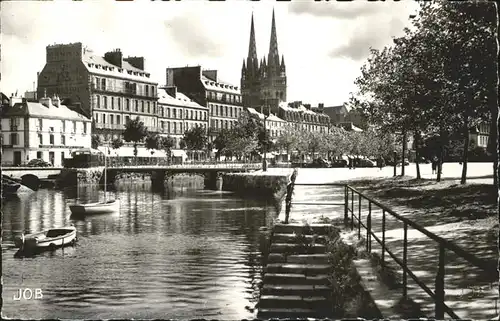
(183, 252)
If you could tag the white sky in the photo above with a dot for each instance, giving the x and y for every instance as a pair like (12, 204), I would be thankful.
(324, 43)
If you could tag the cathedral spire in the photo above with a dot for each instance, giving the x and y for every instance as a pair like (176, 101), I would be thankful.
(252, 48)
(274, 57)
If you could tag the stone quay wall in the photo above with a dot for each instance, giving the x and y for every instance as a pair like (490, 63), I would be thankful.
(79, 176)
(258, 184)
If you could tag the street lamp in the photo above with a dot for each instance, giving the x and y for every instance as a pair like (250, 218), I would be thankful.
(266, 114)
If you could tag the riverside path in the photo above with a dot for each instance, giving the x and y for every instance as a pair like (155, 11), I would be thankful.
(468, 291)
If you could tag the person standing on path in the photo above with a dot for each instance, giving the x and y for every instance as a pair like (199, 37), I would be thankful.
(434, 162)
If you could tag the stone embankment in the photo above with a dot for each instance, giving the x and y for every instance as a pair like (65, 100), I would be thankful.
(270, 184)
(80, 176)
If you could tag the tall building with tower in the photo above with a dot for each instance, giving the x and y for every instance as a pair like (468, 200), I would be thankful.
(263, 83)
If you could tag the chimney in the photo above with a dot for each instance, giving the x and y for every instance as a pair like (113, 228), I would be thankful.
(308, 106)
(14, 100)
(172, 91)
(137, 62)
(56, 101)
(46, 101)
(321, 106)
(212, 74)
(114, 57)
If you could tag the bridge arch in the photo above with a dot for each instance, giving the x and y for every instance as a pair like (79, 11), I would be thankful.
(30, 180)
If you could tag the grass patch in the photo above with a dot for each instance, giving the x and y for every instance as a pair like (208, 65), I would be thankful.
(454, 202)
(348, 297)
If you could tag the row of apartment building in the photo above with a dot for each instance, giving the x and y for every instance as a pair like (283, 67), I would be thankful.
(101, 94)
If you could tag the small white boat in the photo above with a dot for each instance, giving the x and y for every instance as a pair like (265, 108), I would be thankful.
(108, 206)
(48, 239)
(96, 208)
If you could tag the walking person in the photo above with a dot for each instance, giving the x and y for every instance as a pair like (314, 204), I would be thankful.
(434, 162)
(381, 163)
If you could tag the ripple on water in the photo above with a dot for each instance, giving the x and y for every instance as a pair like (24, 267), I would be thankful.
(182, 254)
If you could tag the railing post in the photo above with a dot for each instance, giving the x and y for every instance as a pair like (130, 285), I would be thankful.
(439, 285)
(288, 201)
(383, 237)
(405, 248)
(359, 224)
(359, 207)
(369, 227)
(352, 200)
(346, 204)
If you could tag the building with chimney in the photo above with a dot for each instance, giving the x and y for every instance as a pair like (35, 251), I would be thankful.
(46, 130)
(304, 117)
(222, 100)
(178, 113)
(263, 82)
(108, 89)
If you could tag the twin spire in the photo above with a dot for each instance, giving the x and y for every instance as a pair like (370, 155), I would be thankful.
(273, 59)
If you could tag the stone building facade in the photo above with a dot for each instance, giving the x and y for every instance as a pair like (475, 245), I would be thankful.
(177, 113)
(109, 89)
(46, 130)
(222, 100)
(302, 116)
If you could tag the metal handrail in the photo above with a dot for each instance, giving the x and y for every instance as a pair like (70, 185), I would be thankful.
(438, 294)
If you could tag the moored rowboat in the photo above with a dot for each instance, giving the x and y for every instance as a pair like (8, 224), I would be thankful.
(50, 238)
(96, 208)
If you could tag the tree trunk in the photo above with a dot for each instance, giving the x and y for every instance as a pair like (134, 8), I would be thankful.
(440, 157)
(404, 153)
(417, 156)
(463, 180)
(135, 153)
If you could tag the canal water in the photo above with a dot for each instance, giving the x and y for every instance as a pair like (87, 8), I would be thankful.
(181, 253)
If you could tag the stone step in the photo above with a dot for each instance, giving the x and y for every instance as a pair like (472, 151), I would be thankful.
(297, 249)
(297, 258)
(295, 238)
(295, 278)
(322, 229)
(293, 301)
(307, 269)
(303, 290)
(291, 313)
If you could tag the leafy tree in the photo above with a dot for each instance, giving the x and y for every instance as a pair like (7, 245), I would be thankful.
(264, 142)
(96, 141)
(242, 145)
(221, 142)
(166, 144)
(439, 78)
(337, 142)
(135, 132)
(153, 142)
(195, 138)
(287, 140)
(182, 144)
(117, 143)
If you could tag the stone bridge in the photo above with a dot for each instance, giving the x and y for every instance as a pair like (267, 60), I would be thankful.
(40, 172)
(94, 175)
(211, 172)
(30, 176)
